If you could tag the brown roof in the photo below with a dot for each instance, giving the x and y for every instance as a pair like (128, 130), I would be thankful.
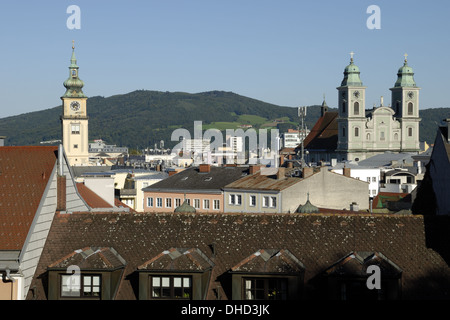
(260, 181)
(24, 174)
(324, 134)
(92, 199)
(418, 245)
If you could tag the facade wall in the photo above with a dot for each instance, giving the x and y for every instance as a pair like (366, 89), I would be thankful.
(327, 190)
(272, 204)
(172, 196)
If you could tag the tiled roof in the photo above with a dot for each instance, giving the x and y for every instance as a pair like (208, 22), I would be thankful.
(180, 259)
(193, 179)
(91, 258)
(260, 181)
(324, 134)
(270, 261)
(24, 174)
(317, 241)
(92, 199)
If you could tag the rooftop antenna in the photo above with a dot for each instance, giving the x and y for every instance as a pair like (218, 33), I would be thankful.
(302, 115)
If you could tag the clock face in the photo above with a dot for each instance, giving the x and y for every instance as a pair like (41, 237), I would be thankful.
(356, 94)
(410, 94)
(75, 105)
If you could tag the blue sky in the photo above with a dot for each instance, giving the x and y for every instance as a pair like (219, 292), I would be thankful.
(286, 52)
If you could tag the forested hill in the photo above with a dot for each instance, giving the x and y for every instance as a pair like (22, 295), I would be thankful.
(142, 118)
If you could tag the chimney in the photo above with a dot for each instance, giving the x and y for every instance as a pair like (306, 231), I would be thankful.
(61, 182)
(61, 196)
(281, 173)
(307, 172)
(204, 168)
(354, 206)
(254, 168)
(346, 172)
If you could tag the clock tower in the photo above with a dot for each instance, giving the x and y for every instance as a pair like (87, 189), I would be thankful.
(74, 119)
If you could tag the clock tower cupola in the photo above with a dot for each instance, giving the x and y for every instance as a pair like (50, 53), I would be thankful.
(74, 119)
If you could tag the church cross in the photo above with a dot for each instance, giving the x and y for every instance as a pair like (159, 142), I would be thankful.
(351, 55)
(406, 57)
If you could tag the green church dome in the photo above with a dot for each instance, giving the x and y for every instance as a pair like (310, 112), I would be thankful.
(351, 75)
(73, 84)
(185, 208)
(308, 207)
(405, 76)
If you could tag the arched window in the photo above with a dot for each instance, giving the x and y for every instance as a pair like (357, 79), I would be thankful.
(356, 108)
(356, 132)
(410, 109)
(395, 136)
(368, 136)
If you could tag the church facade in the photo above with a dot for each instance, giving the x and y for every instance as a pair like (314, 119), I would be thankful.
(354, 133)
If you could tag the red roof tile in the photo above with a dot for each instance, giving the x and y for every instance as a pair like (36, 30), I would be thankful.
(24, 174)
(324, 134)
(92, 199)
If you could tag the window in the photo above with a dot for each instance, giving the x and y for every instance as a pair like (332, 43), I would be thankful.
(83, 286)
(232, 199)
(168, 202)
(265, 289)
(216, 204)
(374, 179)
(356, 132)
(75, 129)
(159, 202)
(74, 73)
(382, 135)
(395, 136)
(368, 136)
(410, 132)
(149, 202)
(196, 203)
(273, 202)
(410, 109)
(343, 131)
(368, 179)
(343, 107)
(206, 204)
(356, 108)
(177, 202)
(171, 287)
(75, 146)
(265, 201)
(252, 201)
(235, 199)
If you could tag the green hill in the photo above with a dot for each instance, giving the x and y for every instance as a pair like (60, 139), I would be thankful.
(142, 118)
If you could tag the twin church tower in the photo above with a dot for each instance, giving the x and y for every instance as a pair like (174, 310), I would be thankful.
(361, 134)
